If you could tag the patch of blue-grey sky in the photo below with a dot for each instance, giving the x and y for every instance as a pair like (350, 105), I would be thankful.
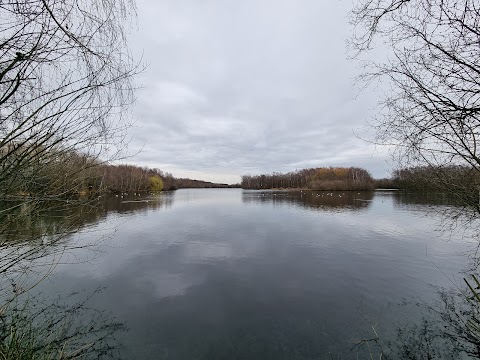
(248, 87)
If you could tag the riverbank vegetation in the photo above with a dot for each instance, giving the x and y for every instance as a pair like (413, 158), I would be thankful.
(68, 174)
(66, 83)
(430, 114)
(35, 328)
(131, 178)
(460, 182)
(453, 178)
(331, 178)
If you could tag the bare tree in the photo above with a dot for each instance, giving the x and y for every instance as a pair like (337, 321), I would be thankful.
(65, 85)
(431, 115)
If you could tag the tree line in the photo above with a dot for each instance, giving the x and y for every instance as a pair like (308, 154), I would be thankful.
(66, 83)
(324, 178)
(432, 178)
(460, 181)
(71, 173)
(429, 113)
(121, 178)
(132, 178)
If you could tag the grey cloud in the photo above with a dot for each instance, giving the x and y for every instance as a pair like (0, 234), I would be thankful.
(248, 87)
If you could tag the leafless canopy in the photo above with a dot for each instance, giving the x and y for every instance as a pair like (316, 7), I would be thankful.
(431, 111)
(65, 82)
(65, 85)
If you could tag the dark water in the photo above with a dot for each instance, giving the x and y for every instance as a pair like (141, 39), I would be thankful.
(232, 274)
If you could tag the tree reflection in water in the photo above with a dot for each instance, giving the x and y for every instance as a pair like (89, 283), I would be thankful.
(448, 328)
(312, 200)
(38, 327)
(444, 330)
(32, 241)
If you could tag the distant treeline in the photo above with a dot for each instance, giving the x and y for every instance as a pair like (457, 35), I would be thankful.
(128, 178)
(132, 178)
(186, 183)
(325, 178)
(451, 178)
(70, 173)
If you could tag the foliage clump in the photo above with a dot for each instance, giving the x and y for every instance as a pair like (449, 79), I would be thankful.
(156, 183)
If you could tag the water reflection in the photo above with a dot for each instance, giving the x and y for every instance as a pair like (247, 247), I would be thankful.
(226, 274)
(22, 222)
(131, 203)
(403, 198)
(232, 309)
(66, 327)
(317, 200)
(446, 328)
(34, 237)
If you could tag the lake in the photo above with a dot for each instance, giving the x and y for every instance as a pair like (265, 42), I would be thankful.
(237, 274)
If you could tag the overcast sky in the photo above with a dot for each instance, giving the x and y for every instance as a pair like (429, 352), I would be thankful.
(248, 87)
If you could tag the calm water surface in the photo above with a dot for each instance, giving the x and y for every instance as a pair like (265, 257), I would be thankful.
(234, 274)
